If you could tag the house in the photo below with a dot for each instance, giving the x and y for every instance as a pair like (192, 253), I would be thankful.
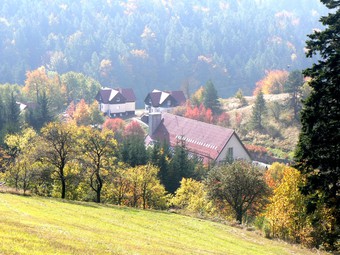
(117, 102)
(160, 101)
(208, 142)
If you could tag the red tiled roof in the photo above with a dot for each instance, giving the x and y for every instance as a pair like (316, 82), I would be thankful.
(203, 139)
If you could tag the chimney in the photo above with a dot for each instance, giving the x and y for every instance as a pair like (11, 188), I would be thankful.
(154, 121)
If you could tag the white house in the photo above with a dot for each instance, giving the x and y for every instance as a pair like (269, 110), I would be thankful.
(117, 102)
(163, 101)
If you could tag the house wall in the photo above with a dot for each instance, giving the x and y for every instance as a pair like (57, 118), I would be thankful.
(130, 106)
(239, 151)
(157, 109)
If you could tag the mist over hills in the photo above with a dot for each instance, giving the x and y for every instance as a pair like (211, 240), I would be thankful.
(157, 44)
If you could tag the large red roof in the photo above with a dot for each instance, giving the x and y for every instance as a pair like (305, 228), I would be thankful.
(205, 140)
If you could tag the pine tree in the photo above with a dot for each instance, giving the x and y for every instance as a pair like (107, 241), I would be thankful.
(293, 87)
(181, 166)
(259, 112)
(210, 98)
(44, 113)
(13, 115)
(318, 150)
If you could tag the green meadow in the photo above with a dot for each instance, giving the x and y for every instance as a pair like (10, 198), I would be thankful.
(36, 225)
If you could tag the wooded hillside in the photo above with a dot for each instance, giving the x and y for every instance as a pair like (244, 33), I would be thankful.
(157, 44)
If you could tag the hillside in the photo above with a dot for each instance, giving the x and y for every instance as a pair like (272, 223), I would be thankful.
(35, 225)
(157, 44)
(281, 133)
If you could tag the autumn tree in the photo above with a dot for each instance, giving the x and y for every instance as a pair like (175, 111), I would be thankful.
(192, 196)
(259, 111)
(318, 150)
(272, 83)
(99, 155)
(240, 185)
(81, 114)
(139, 186)
(57, 148)
(77, 86)
(285, 212)
(197, 97)
(39, 81)
(96, 116)
(20, 166)
(116, 125)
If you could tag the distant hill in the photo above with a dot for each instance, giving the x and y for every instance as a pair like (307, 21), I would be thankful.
(157, 44)
(35, 225)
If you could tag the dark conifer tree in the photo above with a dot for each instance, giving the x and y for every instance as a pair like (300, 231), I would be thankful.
(12, 115)
(210, 98)
(181, 166)
(259, 112)
(318, 150)
(293, 87)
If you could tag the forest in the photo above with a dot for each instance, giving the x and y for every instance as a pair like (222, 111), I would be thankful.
(157, 44)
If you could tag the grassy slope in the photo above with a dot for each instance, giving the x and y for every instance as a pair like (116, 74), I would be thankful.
(34, 225)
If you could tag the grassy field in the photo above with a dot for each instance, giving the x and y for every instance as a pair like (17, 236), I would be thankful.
(35, 225)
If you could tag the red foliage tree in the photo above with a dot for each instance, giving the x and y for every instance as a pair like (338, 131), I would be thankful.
(134, 129)
(115, 125)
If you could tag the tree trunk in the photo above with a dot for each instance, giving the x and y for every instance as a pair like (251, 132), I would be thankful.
(98, 195)
(239, 216)
(63, 187)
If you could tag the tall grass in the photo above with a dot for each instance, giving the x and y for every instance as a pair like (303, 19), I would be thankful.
(35, 225)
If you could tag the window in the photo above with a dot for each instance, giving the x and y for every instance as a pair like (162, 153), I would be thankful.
(230, 154)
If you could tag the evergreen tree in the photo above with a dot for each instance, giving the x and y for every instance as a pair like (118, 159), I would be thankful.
(2, 114)
(293, 87)
(318, 150)
(39, 115)
(180, 167)
(259, 112)
(12, 115)
(210, 98)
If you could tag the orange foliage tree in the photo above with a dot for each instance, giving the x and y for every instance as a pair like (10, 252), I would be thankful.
(116, 125)
(199, 113)
(272, 83)
(81, 114)
(39, 82)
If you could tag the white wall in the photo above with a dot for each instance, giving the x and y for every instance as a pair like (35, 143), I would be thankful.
(238, 150)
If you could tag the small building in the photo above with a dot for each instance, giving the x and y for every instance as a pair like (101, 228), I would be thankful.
(117, 102)
(163, 101)
(210, 143)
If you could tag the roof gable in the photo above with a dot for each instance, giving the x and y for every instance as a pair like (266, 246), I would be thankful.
(112, 96)
(159, 98)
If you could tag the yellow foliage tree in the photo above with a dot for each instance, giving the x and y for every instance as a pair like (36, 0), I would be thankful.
(272, 83)
(286, 212)
(191, 196)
